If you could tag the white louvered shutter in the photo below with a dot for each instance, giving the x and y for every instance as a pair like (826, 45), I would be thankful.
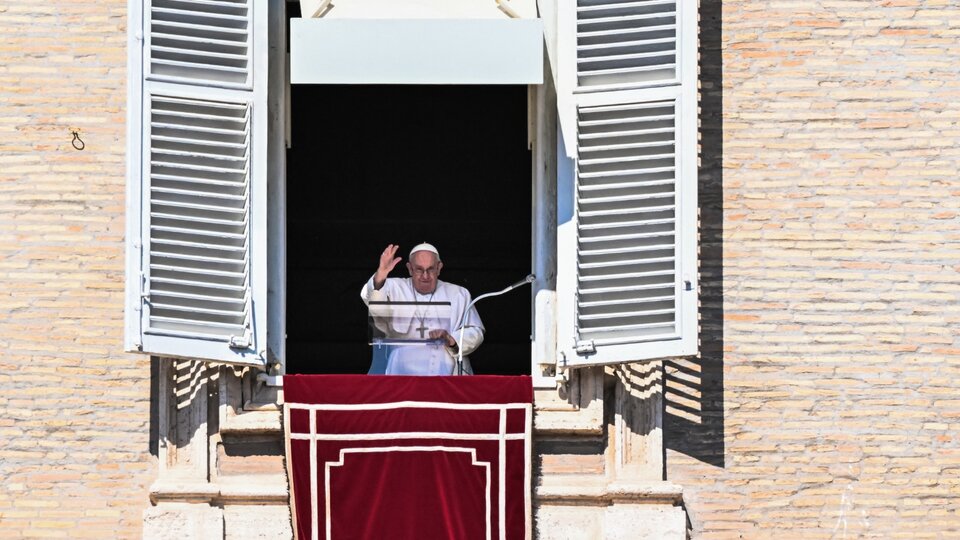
(627, 267)
(196, 283)
(626, 42)
(200, 41)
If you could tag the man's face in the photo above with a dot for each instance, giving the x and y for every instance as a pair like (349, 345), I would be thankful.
(424, 269)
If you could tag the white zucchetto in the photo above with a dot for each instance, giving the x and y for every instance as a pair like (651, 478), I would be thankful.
(425, 247)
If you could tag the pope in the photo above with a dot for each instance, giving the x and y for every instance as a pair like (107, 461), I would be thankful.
(439, 329)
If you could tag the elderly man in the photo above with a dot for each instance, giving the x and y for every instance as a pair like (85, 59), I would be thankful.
(424, 285)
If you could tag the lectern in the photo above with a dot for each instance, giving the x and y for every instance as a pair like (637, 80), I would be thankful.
(399, 336)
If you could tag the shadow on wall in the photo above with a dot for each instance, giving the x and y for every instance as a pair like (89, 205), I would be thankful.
(693, 387)
(154, 406)
(189, 386)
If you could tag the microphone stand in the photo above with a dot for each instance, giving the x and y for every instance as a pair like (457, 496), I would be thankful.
(463, 320)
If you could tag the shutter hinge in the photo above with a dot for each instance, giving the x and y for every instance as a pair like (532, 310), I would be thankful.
(246, 340)
(585, 348)
(138, 306)
(144, 289)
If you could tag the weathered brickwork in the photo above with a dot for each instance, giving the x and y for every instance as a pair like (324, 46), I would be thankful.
(827, 403)
(75, 410)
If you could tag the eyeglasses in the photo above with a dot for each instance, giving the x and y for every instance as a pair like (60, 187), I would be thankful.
(432, 271)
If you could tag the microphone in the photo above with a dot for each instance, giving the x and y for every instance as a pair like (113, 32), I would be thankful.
(529, 279)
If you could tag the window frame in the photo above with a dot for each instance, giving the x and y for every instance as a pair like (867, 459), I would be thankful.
(554, 133)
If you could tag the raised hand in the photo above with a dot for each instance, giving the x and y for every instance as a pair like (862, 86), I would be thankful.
(388, 260)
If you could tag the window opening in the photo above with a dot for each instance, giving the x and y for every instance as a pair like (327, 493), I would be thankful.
(372, 165)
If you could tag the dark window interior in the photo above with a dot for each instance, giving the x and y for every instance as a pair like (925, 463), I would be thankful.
(373, 165)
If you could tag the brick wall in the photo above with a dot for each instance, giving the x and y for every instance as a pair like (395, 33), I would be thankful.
(827, 401)
(74, 412)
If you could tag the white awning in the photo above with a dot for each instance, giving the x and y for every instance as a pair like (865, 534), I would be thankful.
(416, 51)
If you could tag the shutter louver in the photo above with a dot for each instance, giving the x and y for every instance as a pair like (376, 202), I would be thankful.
(199, 218)
(626, 42)
(626, 222)
(201, 41)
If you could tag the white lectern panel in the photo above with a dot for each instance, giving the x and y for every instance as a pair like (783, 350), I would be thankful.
(416, 51)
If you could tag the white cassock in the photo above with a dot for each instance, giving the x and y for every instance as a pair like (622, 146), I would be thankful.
(431, 359)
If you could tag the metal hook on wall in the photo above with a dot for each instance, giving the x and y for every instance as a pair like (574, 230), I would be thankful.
(77, 142)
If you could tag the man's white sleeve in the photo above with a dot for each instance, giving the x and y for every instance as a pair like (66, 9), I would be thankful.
(472, 331)
(369, 294)
(381, 314)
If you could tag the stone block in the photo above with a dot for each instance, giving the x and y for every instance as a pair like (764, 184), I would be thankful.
(644, 522)
(257, 522)
(182, 521)
(567, 522)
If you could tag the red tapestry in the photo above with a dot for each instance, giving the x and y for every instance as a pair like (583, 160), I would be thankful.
(409, 457)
